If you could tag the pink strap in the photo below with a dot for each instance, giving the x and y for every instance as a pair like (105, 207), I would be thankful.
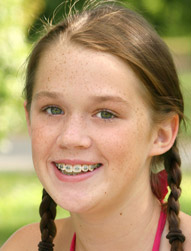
(73, 244)
(156, 245)
(160, 228)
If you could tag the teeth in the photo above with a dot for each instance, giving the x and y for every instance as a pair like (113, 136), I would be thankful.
(61, 167)
(91, 168)
(77, 168)
(69, 169)
(85, 168)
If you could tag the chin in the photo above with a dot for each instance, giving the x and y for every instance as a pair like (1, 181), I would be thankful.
(76, 208)
(72, 202)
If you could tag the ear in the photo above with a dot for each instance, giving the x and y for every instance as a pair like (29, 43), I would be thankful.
(165, 135)
(27, 115)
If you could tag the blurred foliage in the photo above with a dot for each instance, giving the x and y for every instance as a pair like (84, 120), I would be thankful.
(185, 80)
(52, 11)
(21, 23)
(14, 19)
(170, 18)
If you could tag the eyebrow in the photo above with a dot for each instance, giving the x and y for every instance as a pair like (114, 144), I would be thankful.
(46, 94)
(57, 95)
(109, 98)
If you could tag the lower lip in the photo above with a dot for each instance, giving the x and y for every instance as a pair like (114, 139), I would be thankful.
(74, 178)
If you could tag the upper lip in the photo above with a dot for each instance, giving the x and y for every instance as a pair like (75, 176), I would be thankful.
(75, 162)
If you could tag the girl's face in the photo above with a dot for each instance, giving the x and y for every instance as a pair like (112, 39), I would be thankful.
(87, 112)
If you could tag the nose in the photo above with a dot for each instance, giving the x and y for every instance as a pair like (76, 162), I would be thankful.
(74, 134)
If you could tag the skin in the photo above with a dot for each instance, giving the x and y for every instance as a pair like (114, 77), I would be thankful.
(123, 144)
(114, 206)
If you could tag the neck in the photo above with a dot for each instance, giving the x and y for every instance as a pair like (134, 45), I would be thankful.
(125, 227)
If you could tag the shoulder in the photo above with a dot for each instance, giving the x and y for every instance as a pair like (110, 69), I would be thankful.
(185, 226)
(28, 237)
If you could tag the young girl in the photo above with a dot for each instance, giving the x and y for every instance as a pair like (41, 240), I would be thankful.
(103, 107)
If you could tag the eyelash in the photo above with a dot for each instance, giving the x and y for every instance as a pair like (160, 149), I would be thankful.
(52, 107)
(107, 112)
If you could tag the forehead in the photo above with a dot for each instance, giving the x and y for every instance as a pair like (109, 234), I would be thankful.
(72, 67)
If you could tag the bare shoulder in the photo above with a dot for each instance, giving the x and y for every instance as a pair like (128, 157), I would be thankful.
(185, 226)
(28, 237)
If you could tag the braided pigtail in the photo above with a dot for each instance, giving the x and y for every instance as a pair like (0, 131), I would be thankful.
(172, 164)
(47, 225)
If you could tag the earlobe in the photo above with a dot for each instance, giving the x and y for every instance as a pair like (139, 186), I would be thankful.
(27, 115)
(165, 135)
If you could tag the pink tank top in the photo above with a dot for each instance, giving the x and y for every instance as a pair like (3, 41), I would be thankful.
(156, 245)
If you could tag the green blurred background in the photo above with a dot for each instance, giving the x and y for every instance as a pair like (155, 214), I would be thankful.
(20, 26)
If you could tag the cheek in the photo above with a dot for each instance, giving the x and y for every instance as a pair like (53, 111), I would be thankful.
(42, 137)
(125, 147)
(118, 145)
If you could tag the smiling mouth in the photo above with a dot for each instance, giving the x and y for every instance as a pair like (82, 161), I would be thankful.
(76, 169)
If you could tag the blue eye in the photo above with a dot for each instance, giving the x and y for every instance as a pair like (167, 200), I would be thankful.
(105, 115)
(53, 110)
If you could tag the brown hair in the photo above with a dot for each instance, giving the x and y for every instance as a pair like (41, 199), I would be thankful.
(125, 34)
